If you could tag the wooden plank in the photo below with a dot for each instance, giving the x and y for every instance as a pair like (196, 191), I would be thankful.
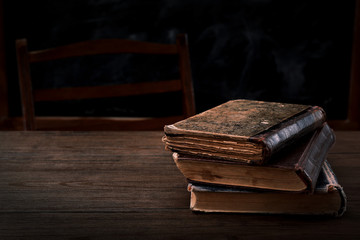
(131, 89)
(122, 141)
(99, 172)
(166, 224)
(125, 190)
(111, 185)
(101, 46)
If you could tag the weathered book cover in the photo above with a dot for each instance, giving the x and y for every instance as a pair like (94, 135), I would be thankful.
(293, 169)
(243, 130)
(328, 199)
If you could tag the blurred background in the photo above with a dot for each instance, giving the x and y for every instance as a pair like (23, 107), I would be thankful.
(288, 51)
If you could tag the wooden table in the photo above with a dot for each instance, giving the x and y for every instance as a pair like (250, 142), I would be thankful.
(124, 185)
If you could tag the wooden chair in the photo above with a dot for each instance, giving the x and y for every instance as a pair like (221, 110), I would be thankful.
(94, 47)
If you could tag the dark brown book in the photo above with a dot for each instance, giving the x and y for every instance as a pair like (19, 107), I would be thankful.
(293, 169)
(328, 199)
(243, 130)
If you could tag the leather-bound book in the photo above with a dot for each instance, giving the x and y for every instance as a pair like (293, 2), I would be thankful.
(243, 130)
(328, 199)
(295, 168)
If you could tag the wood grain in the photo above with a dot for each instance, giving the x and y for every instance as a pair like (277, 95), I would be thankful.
(124, 185)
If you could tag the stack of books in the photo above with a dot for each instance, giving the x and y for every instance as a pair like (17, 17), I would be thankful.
(257, 157)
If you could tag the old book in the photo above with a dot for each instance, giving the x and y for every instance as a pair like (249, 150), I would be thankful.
(243, 130)
(293, 169)
(328, 198)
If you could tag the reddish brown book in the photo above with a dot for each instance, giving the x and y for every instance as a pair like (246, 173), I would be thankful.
(243, 130)
(328, 198)
(294, 169)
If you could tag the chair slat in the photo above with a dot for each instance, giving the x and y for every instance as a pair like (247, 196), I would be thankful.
(101, 46)
(93, 92)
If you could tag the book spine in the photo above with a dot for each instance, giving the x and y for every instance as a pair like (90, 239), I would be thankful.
(283, 134)
(332, 184)
(313, 157)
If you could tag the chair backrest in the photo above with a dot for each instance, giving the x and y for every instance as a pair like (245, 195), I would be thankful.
(94, 47)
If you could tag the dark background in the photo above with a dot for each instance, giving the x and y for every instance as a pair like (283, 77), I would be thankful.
(289, 51)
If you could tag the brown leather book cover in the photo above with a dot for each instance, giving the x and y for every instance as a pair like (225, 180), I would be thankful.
(328, 199)
(293, 169)
(244, 130)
